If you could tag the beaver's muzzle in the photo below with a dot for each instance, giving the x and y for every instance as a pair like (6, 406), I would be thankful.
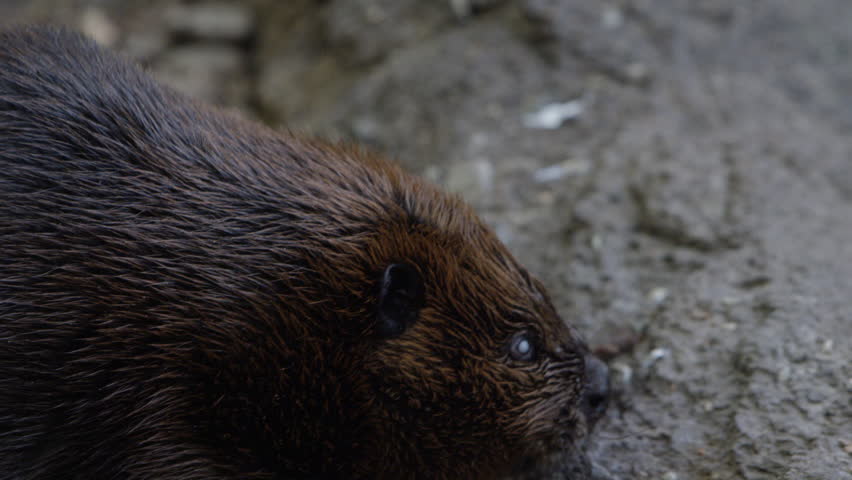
(596, 394)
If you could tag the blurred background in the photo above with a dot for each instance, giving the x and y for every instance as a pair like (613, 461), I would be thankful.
(678, 173)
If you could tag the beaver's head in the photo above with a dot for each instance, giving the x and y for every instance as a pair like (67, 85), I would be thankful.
(459, 365)
(473, 370)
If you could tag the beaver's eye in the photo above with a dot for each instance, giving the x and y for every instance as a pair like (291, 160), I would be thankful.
(522, 347)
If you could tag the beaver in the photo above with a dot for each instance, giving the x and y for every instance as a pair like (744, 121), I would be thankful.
(185, 294)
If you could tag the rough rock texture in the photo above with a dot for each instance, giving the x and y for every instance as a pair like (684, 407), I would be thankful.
(694, 218)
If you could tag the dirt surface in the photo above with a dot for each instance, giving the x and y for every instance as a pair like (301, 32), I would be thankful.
(691, 211)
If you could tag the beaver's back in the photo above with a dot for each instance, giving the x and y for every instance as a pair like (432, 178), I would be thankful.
(132, 222)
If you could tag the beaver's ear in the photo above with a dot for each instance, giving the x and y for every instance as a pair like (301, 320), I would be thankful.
(401, 297)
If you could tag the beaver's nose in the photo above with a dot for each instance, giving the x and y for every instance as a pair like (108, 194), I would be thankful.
(596, 395)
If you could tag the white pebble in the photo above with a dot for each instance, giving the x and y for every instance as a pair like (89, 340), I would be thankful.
(654, 356)
(553, 115)
(624, 370)
(555, 172)
(658, 295)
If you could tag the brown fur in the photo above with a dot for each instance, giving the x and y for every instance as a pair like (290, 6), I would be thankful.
(187, 295)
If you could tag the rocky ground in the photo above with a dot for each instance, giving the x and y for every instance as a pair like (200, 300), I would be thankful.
(678, 173)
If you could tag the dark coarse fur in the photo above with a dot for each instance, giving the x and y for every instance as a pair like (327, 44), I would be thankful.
(187, 295)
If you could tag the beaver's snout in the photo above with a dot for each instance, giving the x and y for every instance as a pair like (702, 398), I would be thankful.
(596, 395)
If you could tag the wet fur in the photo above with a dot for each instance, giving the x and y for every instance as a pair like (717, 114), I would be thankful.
(187, 295)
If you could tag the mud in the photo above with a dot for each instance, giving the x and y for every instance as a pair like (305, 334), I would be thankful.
(693, 218)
